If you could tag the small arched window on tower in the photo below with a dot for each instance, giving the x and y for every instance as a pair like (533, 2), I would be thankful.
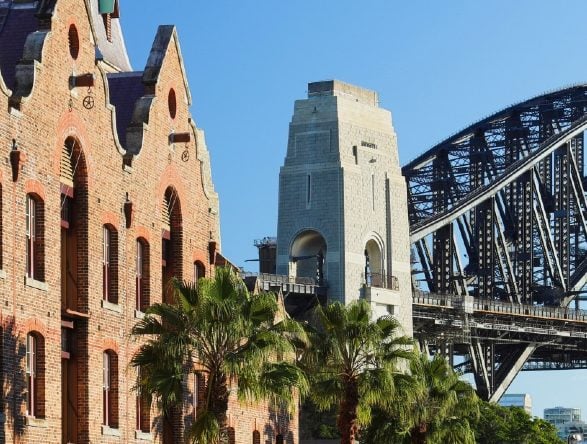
(109, 10)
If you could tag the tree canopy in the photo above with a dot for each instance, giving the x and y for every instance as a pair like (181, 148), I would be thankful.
(233, 335)
(352, 362)
(512, 425)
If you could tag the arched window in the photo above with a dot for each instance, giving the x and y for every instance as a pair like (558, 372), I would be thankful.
(171, 241)
(35, 238)
(374, 272)
(110, 389)
(142, 275)
(231, 435)
(35, 375)
(199, 271)
(308, 256)
(74, 199)
(110, 264)
(256, 437)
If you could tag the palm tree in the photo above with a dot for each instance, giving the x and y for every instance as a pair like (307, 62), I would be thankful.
(233, 335)
(353, 361)
(433, 405)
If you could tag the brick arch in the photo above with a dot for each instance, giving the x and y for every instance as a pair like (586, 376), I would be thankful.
(143, 232)
(171, 178)
(34, 324)
(32, 186)
(110, 344)
(199, 255)
(110, 218)
(70, 125)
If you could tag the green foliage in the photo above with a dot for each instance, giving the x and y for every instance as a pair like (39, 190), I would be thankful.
(431, 405)
(317, 424)
(512, 425)
(234, 335)
(352, 362)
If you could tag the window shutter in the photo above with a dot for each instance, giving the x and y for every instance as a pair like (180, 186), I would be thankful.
(166, 215)
(66, 167)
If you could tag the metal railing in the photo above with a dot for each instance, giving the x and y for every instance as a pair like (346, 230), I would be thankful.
(381, 280)
(453, 301)
(279, 279)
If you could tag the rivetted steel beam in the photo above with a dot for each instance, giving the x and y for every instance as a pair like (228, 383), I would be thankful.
(511, 173)
(512, 372)
(548, 247)
(562, 208)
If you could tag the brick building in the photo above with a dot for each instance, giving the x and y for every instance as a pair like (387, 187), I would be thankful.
(105, 193)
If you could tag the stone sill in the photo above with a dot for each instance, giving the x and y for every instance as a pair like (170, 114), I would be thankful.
(109, 431)
(2, 274)
(143, 436)
(31, 421)
(30, 282)
(111, 306)
(139, 314)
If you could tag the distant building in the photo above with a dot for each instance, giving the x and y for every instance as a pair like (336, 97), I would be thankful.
(522, 400)
(566, 420)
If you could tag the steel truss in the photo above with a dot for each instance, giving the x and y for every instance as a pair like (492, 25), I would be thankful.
(498, 212)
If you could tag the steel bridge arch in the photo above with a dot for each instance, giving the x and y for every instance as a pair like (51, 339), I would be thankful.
(498, 213)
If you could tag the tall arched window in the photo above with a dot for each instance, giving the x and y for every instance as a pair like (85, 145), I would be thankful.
(110, 264)
(35, 237)
(110, 389)
(171, 241)
(74, 227)
(74, 195)
(256, 437)
(35, 375)
(142, 266)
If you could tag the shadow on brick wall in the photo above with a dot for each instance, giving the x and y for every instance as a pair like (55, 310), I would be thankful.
(12, 381)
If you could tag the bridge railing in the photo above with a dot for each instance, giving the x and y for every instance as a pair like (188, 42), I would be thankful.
(454, 301)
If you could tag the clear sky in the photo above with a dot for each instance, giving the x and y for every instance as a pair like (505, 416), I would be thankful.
(437, 65)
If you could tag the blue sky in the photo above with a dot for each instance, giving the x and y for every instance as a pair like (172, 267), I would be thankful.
(438, 66)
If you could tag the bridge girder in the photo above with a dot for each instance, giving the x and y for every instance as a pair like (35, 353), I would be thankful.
(498, 211)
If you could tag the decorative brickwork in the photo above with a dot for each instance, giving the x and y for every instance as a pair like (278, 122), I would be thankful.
(113, 140)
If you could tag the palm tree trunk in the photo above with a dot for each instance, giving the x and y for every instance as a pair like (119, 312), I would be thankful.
(347, 415)
(418, 434)
(219, 403)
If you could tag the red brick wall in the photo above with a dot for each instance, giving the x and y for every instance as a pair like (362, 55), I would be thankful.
(40, 126)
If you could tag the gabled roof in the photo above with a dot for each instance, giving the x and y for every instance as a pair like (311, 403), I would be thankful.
(16, 23)
(125, 89)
